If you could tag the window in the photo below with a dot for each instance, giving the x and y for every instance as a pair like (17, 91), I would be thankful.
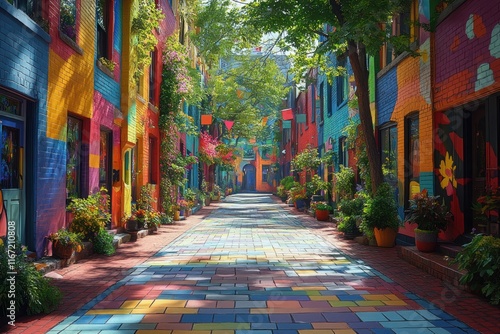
(67, 20)
(399, 25)
(321, 102)
(105, 159)
(412, 152)
(73, 158)
(389, 153)
(104, 12)
(33, 8)
(265, 172)
(313, 103)
(342, 82)
(153, 160)
(152, 78)
(343, 153)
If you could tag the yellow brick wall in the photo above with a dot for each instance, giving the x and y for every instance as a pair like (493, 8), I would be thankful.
(71, 79)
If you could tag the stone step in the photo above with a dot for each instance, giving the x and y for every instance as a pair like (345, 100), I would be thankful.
(120, 238)
(436, 264)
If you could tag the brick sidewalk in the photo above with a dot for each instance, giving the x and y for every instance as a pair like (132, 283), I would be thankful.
(83, 281)
(188, 276)
(469, 308)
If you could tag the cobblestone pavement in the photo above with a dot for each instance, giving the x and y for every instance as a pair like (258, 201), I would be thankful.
(252, 266)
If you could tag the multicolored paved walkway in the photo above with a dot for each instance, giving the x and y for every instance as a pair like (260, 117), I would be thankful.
(252, 267)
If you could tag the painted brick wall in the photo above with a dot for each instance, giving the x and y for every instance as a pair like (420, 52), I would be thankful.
(467, 54)
(386, 95)
(24, 50)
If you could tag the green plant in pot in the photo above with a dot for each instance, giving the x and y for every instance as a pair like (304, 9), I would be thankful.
(380, 215)
(64, 243)
(431, 216)
(322, 210)
(350, 212)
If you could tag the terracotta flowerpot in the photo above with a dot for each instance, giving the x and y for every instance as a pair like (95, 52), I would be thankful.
(177, 215)
(385, 237)
(426, 241)
(322, 215)
(61, 251)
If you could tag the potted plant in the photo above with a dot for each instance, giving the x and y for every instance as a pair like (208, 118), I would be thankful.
(64, 243)
(322, 210)
(380, 215)
(349, 226)
(298, 195)
(350, 215)
(431, 216)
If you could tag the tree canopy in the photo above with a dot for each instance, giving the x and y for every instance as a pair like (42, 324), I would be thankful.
(314, 29)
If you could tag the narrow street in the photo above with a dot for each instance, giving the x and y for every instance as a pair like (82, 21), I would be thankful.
(252, 266)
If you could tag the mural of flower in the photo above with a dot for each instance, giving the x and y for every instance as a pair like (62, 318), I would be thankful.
(447, 171)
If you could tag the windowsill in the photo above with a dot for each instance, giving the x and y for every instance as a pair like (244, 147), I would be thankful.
(152, 107)
(140, 98)
(70, 42)
(104, 69)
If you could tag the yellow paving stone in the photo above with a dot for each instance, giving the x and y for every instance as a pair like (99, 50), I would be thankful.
(375, 297)
(152, 331)
(169, 303)
(308, 288)
(306, 272)
(394, 302)
(145, 303)
(342, 303)
(223, 331)
(313, 293)
(181, 310)
(110, 311)
(324, 298)
(130, 304)
(369, 303)
(178, 331)
(393, 297)
(221, 325)
(316, 331)
(345, 331)
(341, 261)
(155, 310)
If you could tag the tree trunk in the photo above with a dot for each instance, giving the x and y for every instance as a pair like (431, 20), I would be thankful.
(357, 58)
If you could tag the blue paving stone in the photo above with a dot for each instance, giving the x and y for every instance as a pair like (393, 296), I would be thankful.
(284, 331)
(308, 317)
(371, 316)
(84, 327)
(259, 297)
(428, 315)
(406, 324)
(280, 318)
(350, 297)
(368, 324)
(341, 317)
(192, 318)
(125, 319)
(224, 318)
(86, 319)
(391, 315)
(223, 311)
(138, 326)
(121, 331)
(291, 325)
(262, 326)
(100, 319)
(382, 331)
(245, 331)
(442, 314)
(262, 318)
(410, 315)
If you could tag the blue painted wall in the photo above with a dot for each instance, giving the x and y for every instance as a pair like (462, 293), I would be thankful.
(386, 95)
(24, 54)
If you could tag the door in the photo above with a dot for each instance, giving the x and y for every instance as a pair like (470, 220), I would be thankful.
(105, 164)
(12, 171)
(249, 177)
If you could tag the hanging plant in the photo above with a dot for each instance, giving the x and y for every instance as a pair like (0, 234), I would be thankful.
(147, 18)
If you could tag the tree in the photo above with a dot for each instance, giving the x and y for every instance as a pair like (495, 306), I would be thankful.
(251, 86)
(354, 28)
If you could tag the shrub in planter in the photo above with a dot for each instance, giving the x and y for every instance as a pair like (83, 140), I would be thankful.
(481, 259)
(349, 226)
(34, 293)
(103, 243)
(90, 214)
(380, 213)
(431, 216)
